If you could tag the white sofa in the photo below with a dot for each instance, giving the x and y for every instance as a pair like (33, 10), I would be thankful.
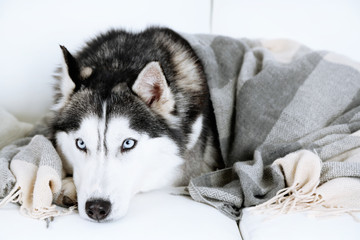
(30, 32)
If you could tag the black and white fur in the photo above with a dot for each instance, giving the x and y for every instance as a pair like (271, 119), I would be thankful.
(132, 114)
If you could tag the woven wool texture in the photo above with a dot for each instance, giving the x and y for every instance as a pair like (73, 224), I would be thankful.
(272, 98)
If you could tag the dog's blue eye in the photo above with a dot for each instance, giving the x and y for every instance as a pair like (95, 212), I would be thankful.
(80, 144)
(128, 144)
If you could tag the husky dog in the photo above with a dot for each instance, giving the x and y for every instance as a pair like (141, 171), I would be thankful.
(132, 114)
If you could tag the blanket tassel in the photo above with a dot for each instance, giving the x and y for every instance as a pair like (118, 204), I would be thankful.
(49, 212)
(14, 196)
(293, 199)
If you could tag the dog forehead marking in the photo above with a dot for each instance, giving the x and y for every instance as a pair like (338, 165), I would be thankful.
(119, 129)
(102, 129)
(94, 130)
(86, 72)
(104, 134)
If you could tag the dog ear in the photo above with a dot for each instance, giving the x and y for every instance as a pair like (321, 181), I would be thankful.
(72, 77)
(152, 88)
(70, 69)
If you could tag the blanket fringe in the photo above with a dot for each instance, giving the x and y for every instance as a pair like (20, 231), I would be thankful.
(45, 213)
(293, 199)
(14, 196)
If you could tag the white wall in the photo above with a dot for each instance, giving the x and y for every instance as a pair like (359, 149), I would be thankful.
(321, 24)
(30, 32)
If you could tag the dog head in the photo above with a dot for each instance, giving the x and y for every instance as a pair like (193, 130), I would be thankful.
(127, 108)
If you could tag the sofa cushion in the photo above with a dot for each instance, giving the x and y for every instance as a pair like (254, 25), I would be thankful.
(256, 226)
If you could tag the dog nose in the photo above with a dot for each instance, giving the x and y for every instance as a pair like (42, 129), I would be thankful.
(98, 209)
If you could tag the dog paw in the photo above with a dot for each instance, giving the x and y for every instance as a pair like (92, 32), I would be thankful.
(67, 195)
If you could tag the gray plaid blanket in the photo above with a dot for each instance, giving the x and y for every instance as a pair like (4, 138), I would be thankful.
(272, 98)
